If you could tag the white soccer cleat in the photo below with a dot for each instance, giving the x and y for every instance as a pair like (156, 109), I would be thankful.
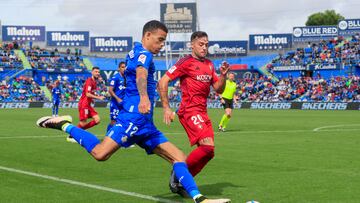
(55, 123)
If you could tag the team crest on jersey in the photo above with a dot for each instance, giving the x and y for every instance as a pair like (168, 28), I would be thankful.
(172, 69)
(210, 66)
(142, 58)
(124, 139)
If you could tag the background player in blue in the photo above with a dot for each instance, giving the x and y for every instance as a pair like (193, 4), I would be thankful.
(135, 121)
(117, 93)
(56, 97)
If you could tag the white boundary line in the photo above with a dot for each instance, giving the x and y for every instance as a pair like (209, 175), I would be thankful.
(320, 129)
(92, 186)
(335, 126)
(31, 137)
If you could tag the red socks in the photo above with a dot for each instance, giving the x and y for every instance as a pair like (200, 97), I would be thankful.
(199, 157)
(88, 125)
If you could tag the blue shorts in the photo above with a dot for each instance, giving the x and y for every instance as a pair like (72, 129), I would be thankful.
(115, 108)
(56, 102)
(135, 128)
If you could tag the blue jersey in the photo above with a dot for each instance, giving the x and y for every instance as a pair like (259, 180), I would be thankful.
(56, 94)
(135, 58)
(118, 83)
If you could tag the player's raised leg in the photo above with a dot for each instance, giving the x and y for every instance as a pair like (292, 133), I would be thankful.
(101, 151)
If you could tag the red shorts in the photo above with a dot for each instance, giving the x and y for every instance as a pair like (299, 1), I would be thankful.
(86, 112)
(197, 126)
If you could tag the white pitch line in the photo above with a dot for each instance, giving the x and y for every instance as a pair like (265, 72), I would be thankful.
(267, 131)
(334, 126)
(235, 131)
(92, 186)
(31, 137)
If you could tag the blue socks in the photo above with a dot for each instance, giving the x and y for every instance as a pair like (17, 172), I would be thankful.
(84, 138)
(185, 178)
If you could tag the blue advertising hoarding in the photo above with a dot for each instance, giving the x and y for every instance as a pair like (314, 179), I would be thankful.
(179, 17)
(110, 44)
(270, 41)
(67, 38)
(216, 48)
(349, 26)
(24, 33)
(314, 33)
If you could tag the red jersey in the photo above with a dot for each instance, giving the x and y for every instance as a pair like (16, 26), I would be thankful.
(89, 87)
(196, 77)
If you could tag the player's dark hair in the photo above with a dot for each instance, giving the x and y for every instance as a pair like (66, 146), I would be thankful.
(122, 62)
(153, 25)
(95, 67)
(198, 34)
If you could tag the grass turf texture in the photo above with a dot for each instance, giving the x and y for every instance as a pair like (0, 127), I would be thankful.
(266, 155)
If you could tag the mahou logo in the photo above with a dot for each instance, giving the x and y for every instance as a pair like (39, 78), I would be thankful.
(261, 40)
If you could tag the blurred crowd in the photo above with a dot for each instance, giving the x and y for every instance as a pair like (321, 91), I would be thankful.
(337, 50)
(44, 60)
(21, 89)
(8, 58)
(262, 89)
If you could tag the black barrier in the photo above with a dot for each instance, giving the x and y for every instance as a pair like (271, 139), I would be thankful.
(210, 105)
(36, 104)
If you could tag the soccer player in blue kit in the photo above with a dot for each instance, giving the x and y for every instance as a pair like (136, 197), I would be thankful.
(56, 97)
(117, 93)
(135, 121)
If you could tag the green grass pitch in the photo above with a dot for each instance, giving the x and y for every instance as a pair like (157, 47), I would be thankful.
(266, 155)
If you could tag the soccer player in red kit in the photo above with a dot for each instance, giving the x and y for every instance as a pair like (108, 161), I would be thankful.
(86, 102)
(197, 75)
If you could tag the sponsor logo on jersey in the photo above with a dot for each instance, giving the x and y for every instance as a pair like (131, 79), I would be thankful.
(204, 78)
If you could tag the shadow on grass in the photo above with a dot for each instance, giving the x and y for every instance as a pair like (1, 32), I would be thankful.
(207, 190)
(216, 189)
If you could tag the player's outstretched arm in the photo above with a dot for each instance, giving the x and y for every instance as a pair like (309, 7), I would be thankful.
(219, 86)
(141, 84)
(163, 85)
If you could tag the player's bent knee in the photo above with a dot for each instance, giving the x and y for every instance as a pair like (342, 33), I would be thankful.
(100, 156)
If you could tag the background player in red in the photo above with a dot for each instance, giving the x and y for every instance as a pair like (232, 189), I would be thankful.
(86, 102)
(197, 75)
